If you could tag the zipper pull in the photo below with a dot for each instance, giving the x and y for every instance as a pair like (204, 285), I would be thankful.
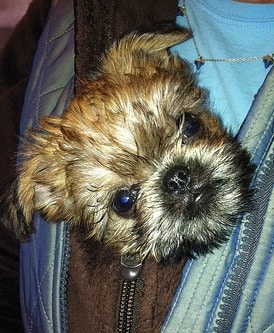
(131, 266)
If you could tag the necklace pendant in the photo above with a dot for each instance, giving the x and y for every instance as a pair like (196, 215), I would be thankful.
(268, 60)
(181, 11)
(199, 62)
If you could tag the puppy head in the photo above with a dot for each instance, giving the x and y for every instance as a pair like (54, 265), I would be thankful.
(137, 160)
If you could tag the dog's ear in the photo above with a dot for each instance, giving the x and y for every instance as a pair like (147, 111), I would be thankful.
(40, 184)
(13, 214)
(137, 52)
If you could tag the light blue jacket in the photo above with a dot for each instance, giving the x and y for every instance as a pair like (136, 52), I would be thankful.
(231, 290)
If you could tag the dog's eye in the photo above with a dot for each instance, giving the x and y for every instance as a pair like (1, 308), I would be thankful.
(124, 201)
(189, 124)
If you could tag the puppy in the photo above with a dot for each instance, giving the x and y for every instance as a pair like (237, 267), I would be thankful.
(137, 160)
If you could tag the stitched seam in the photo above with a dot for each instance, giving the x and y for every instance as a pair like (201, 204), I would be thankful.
(259, 115)
(225, 279)
(207, 294)
(44, 66)
(268, 125)
(71, 28)
(42, 75)
(191, 298)
(251, 306)
(47, 93)
(218, 296)
(39, 297)
(44, 51)
(177, 297)
(207, 9)
(250, 317)
(266, 329)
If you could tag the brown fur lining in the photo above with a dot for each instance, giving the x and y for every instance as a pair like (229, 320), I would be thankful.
(93, 290)
(98, 23)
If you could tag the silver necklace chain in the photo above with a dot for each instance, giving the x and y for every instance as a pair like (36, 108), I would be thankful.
(267, 59)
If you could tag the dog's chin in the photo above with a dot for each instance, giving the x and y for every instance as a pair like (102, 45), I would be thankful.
(174, 257)
(187, 249)
(190, 250)
(191, 238)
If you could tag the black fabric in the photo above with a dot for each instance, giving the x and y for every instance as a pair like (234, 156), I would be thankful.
(99, 22)
(10, 314)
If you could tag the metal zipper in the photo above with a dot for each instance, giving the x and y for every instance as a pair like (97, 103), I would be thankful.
(131, 290)
(64, 280)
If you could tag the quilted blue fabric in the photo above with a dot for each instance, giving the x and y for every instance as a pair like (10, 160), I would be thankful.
(44, 259)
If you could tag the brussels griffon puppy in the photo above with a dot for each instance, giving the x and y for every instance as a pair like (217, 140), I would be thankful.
(138, 160)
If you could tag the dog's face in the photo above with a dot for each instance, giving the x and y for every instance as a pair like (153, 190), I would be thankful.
(137, 160)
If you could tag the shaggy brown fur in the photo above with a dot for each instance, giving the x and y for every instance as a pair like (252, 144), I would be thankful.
(137, 160)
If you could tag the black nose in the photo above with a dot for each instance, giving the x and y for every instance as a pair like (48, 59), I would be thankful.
(176, 180)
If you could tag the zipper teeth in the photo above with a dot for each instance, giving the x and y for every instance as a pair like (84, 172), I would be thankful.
(64, 281)
(127, 308)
